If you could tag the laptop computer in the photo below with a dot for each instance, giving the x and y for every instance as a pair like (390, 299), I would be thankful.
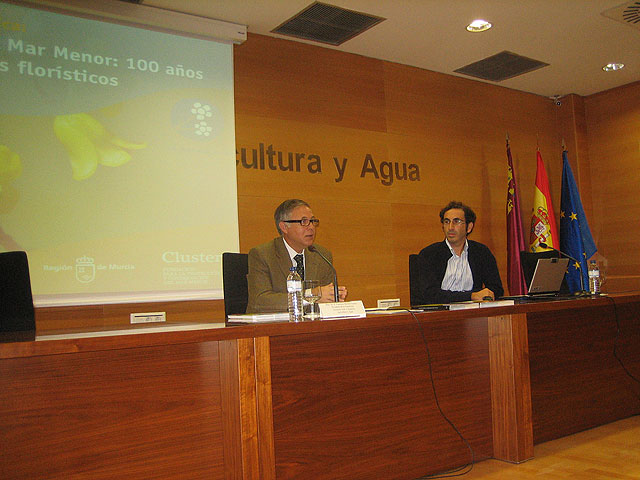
(546, 279)
(548, 275)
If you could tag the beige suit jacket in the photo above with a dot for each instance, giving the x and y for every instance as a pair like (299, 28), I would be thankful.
(269, 266)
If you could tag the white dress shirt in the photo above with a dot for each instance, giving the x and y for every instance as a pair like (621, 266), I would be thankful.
(293, 253)
(458, 276)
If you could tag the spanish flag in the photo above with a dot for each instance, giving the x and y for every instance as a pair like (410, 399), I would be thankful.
(543, 220)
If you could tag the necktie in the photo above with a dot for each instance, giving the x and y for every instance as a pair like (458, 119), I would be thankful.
(300, 265)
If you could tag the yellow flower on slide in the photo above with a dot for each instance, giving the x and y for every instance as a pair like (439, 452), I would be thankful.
(10, 166)
(89, 144)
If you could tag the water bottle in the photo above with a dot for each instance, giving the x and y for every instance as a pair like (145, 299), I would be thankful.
(594, 278)
(294, 295)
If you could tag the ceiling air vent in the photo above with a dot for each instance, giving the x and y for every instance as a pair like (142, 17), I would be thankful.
(325, 23)
(501, 66)
(628, 13)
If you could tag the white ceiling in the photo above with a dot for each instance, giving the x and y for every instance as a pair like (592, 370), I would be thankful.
(572, 36)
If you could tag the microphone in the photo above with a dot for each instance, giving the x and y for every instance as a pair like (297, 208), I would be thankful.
(312, 248)
(582, 291)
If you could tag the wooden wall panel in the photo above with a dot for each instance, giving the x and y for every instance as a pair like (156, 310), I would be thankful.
(277, 78)
(461, 126)
(452, 130)
(572, 122)
(613, 126)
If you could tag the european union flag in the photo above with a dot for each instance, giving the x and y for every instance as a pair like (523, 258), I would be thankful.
(575, 236)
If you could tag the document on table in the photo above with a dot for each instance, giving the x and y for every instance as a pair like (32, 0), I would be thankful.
(259, 317)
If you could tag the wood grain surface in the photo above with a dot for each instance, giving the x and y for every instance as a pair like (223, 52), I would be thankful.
(510, 388)
(576, 382)
(603, 453)
(151, 412)
(342, 398)
(614, 155)
(360, 405)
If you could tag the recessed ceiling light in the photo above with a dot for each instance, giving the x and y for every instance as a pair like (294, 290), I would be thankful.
(610, 67)
(478, 26)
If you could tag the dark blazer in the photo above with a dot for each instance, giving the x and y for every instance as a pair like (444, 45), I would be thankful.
(432, 265)
(269, 266)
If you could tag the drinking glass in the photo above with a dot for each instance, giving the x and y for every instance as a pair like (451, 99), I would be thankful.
(311, 293)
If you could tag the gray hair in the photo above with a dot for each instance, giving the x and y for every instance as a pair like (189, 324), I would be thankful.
(284, 210)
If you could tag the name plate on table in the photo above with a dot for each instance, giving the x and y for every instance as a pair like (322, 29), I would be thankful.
(354, 308)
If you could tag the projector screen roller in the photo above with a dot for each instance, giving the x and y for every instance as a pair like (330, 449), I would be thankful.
(117, 158)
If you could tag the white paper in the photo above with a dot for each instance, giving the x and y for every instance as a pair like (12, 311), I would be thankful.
(354, 308)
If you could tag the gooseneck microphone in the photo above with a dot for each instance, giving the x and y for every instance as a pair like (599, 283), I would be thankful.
(312, 248)
(582, 290)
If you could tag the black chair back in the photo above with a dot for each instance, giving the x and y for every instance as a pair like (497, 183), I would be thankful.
(234, 282)
(17, 315)
(413, 279)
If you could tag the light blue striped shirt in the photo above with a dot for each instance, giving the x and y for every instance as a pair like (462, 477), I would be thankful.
(458, 277)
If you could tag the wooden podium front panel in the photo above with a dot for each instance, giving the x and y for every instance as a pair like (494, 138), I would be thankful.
(576, 381)
(149, 412)
(359, 404)
(628, 341)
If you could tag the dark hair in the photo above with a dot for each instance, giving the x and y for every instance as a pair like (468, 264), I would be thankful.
(284, 210)
(469, 215)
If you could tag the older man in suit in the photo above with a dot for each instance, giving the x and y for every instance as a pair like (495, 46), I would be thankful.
(270, 262)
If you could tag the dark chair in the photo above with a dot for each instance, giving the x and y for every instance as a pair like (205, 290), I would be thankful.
(234, 281)
(529, 260)
(413, 280)
(17, 315)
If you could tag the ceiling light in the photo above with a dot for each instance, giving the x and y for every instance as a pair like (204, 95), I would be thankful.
(478, 26)
(610, 67)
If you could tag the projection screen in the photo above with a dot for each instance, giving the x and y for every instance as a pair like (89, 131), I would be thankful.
(117, 158)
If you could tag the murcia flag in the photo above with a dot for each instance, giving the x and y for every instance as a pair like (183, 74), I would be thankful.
(515, 233)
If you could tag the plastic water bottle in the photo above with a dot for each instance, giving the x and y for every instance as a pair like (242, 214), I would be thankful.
(594, 278)
(294, 295)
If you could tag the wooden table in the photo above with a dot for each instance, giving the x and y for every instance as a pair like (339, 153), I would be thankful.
(335, 399)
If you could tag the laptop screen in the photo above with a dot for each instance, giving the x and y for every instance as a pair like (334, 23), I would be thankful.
(548, 275)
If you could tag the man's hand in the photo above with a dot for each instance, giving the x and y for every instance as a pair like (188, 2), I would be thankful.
(342, 293)
(328, 294)
(479, 296)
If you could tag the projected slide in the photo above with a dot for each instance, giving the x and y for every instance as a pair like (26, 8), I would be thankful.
(117, 158)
